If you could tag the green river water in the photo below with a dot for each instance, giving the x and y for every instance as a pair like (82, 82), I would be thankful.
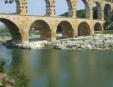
(62, 68)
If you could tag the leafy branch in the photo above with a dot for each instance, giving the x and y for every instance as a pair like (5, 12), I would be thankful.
(9, 1)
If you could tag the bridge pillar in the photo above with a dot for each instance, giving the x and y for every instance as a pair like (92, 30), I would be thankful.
(21, 7)
(71, 8)
(50, 7)
(102, 12)
(53, 35)
(25, 35)
(91, 12)
(24, 30)
(72, 13)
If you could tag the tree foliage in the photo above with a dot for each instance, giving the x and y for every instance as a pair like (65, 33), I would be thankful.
(9, 1)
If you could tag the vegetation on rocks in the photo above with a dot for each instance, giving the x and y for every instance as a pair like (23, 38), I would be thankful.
(108, 32)
(2, 63)
(15, 79)
(12, 79)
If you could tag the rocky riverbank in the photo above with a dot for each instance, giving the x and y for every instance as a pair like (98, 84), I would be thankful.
(98, 41)
(4, 39)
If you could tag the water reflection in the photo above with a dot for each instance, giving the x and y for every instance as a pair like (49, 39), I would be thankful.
(56, 68)
(20, 61)
(46, 69)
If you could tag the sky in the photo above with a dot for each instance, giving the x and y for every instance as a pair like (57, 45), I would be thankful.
(39, 7)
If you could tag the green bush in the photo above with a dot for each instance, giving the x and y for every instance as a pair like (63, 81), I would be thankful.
(15, 79)
(2, 63)
(108, 32)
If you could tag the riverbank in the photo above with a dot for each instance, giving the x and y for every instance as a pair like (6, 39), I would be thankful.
(97, 41)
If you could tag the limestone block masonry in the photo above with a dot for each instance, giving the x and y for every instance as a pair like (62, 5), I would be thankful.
(19, 24)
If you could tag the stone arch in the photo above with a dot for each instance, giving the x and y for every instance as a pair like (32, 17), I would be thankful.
(44, 29)
(97, 10)
(97, 27)
(87, 9)
(13, 29)
(67, 29)
(107, 10)
(84, 29)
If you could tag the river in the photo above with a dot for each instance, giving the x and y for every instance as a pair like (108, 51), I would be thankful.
(62, 68)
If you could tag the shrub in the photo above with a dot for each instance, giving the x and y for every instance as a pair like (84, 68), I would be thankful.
(2, 63)
(15, 79)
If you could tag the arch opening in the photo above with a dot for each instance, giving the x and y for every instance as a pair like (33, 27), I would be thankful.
(107, 11)
(82, 8)
(65, 30)
(39, 30)
(97, 27)
(96, 10)
(37, 8)
(61, 9)
(84, 29)
(12, 29)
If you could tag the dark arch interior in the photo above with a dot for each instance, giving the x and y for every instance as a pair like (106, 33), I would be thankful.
(43, 30)
(107, 10)
(96, 10)
(97, 27)
(83, 29)
(66, 29)
(13, 29)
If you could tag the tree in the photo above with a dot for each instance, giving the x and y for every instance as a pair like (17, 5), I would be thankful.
(9, 1)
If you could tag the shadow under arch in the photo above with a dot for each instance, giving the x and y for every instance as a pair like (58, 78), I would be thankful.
(13, 29)
(44, 30)
(66, 29)
(97, 27)
(97, 10)
(84, 29)
(107, 10)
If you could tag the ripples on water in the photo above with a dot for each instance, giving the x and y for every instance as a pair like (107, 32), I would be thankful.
(61, 68)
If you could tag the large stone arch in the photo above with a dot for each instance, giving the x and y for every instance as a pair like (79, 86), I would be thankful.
(97, 10)
(13, 29)
(98, 27)
(87, 9)
(107, 10)
(44, 28)
(84, 29)
(67, 29)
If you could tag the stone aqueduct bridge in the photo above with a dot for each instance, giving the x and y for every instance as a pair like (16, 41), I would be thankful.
(19, 23)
